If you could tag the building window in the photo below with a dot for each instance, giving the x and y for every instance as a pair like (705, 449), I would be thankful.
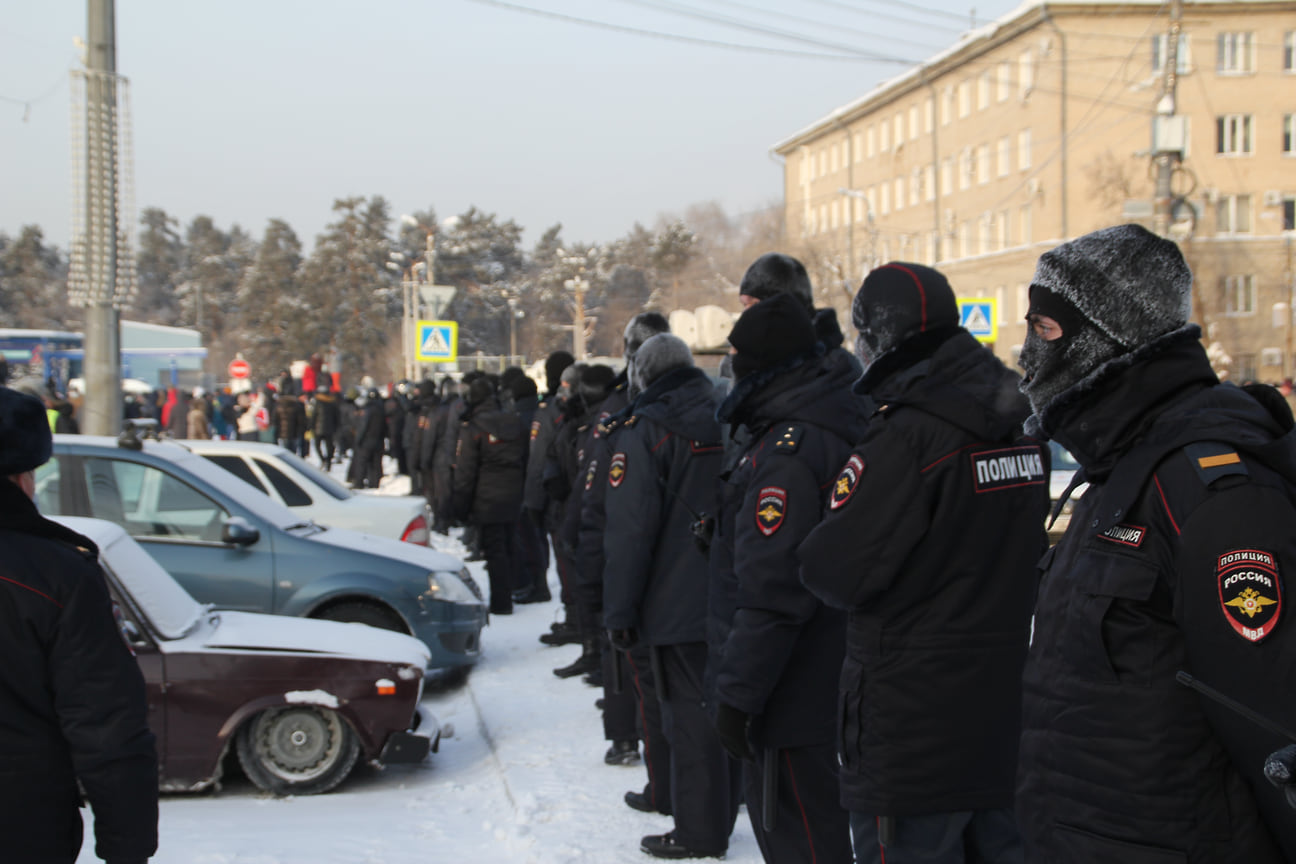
(915, 186)
(929, 183)
(1025, 74)
(983, 90)
(947, 175)
(1235, 53)
(836, 213)
(1002, 225)
(947, 106)
(886, 198)
(1233, 214)
(899, 193)
(1245, 364)
(871, 197)
(870, 142)
(1003, 81)
(1024, 224)
(967, 168)
(965, 239)
(984, 235)
(1160, 46)
(1239, 294)
(1023, 301)
(899, 129)
(913, 123)
(929, 114)
(1233, 134)
(884, 137)
(823, 217)
(1289, 134)
(1289, 51)
(1024, 150)
(1005, 156)
(823, 164)
(983, 164)
(965, 98)
(1289, 214)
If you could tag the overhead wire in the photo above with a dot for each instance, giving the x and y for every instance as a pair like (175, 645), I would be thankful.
(835, 26)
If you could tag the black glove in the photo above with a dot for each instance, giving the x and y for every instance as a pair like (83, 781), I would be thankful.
(623, 640)
(1280, 769)
(733, 726)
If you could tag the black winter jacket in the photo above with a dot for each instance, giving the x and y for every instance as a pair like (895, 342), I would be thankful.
(1175, 560)
(72, 701)
(328, 416)
(777, 650)
(488, 465)
(591, 516)
(544, 428)
(660, 479)
(930, 541)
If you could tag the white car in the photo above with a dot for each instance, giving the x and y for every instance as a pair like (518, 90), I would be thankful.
(295, 483)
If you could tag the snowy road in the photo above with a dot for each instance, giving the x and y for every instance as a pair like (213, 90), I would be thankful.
(523, 780)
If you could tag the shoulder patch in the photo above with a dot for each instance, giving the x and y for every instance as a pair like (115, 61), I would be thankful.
(771, 508)
(589, 475)
(847, 481)
(788, 439)
(1250, 592)
(1007, 468)
(1212, 460)
(535, 429)
(616, 470)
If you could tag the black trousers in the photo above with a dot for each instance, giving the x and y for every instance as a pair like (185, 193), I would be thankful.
(533, 552)
(497, 547)
(963, 837)
(705, 785)
(619, 711)
(657, 753)
(325, 449)
(810, 824)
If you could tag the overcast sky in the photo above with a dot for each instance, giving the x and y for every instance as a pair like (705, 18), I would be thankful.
(248, 110)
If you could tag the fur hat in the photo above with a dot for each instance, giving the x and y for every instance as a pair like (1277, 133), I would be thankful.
(25, 440)
(641, 328)
(771, 333)
(554, 366)
(1111, 291)
(774, 273)
(897, 301)
(594, 383)
(657, 356)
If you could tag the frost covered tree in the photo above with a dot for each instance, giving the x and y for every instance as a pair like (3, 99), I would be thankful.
(213, 264)
(158, 266)
(482, 257)
(273, 315)
(33, 282)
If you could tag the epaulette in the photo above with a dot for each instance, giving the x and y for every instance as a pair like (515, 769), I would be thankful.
(631, 420)
(1213, 460)
(788, 439)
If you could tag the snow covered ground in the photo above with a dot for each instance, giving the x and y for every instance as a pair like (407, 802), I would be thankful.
(522, 780)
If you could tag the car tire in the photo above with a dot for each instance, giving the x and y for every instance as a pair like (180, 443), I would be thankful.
(297, 750)
(364, 613)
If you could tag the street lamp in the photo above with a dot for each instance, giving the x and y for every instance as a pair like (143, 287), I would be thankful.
(578, 285)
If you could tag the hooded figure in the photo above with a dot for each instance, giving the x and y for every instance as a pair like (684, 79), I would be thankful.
(775, 650)
(938, 619)
(1173, 562)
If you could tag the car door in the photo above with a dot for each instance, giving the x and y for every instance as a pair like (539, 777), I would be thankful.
(180, 526)
(152, 662)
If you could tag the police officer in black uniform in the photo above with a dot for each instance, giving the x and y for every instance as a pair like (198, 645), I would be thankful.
(536, 504)
(777, 666)
(661, 480)
(1175, 561)
(933, 530)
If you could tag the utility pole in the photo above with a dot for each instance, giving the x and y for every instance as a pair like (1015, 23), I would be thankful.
(98, 286)
(577, 285)
(1167, 130)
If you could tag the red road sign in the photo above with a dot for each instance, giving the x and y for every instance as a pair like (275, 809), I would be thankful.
(239, 369)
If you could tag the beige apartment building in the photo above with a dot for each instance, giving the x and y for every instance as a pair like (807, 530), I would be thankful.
(1039, 128)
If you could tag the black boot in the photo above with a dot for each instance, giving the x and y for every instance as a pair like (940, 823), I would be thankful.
(587, 662)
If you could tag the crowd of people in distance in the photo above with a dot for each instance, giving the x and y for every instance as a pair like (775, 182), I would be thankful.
(818, 583)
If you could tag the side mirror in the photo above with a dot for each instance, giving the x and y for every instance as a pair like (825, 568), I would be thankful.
(132, 633)
(239, 532)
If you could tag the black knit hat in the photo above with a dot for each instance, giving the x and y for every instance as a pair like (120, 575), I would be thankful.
(479, 391)
(594, 383)
(25, 440)
(770, 333)
(554, 366)
(897, 301)
(774, 273)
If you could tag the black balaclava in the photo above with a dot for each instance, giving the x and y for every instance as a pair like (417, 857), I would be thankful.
(592, 386)
(1111, 292)
(769, 334)
(555, 364)
(639, 330)
(774, 273)
(658, 355)
(897, 301)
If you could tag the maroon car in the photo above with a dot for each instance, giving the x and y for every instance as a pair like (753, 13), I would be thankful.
(299, 700)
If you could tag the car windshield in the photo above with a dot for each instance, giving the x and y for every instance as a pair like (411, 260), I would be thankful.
(318, 477)
(171, 610)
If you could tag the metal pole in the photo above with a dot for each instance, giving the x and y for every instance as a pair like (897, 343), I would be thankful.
(102, 409)
(578, 319)
(1166, 160)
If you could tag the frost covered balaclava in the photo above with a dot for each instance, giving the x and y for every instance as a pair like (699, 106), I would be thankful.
(658, 355)
(639, 330)
(896, 301)
(1111, 292)
(775, 273)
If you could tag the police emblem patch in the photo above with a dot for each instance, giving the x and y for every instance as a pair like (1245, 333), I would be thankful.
(1250, 593)
(771, 507)
(535, 429)
(846, 482)
(616, 470)
(589, 475)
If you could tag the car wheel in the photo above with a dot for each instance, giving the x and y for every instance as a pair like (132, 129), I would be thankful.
(298, 750)
(365, 613)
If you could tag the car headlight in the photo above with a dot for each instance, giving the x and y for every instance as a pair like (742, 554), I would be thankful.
(450, 588)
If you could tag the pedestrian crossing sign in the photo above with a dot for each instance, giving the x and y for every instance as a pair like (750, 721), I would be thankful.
(438, 341)
(979, 316)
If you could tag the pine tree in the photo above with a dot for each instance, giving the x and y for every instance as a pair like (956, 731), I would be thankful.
(158, 267)
(273, 315)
